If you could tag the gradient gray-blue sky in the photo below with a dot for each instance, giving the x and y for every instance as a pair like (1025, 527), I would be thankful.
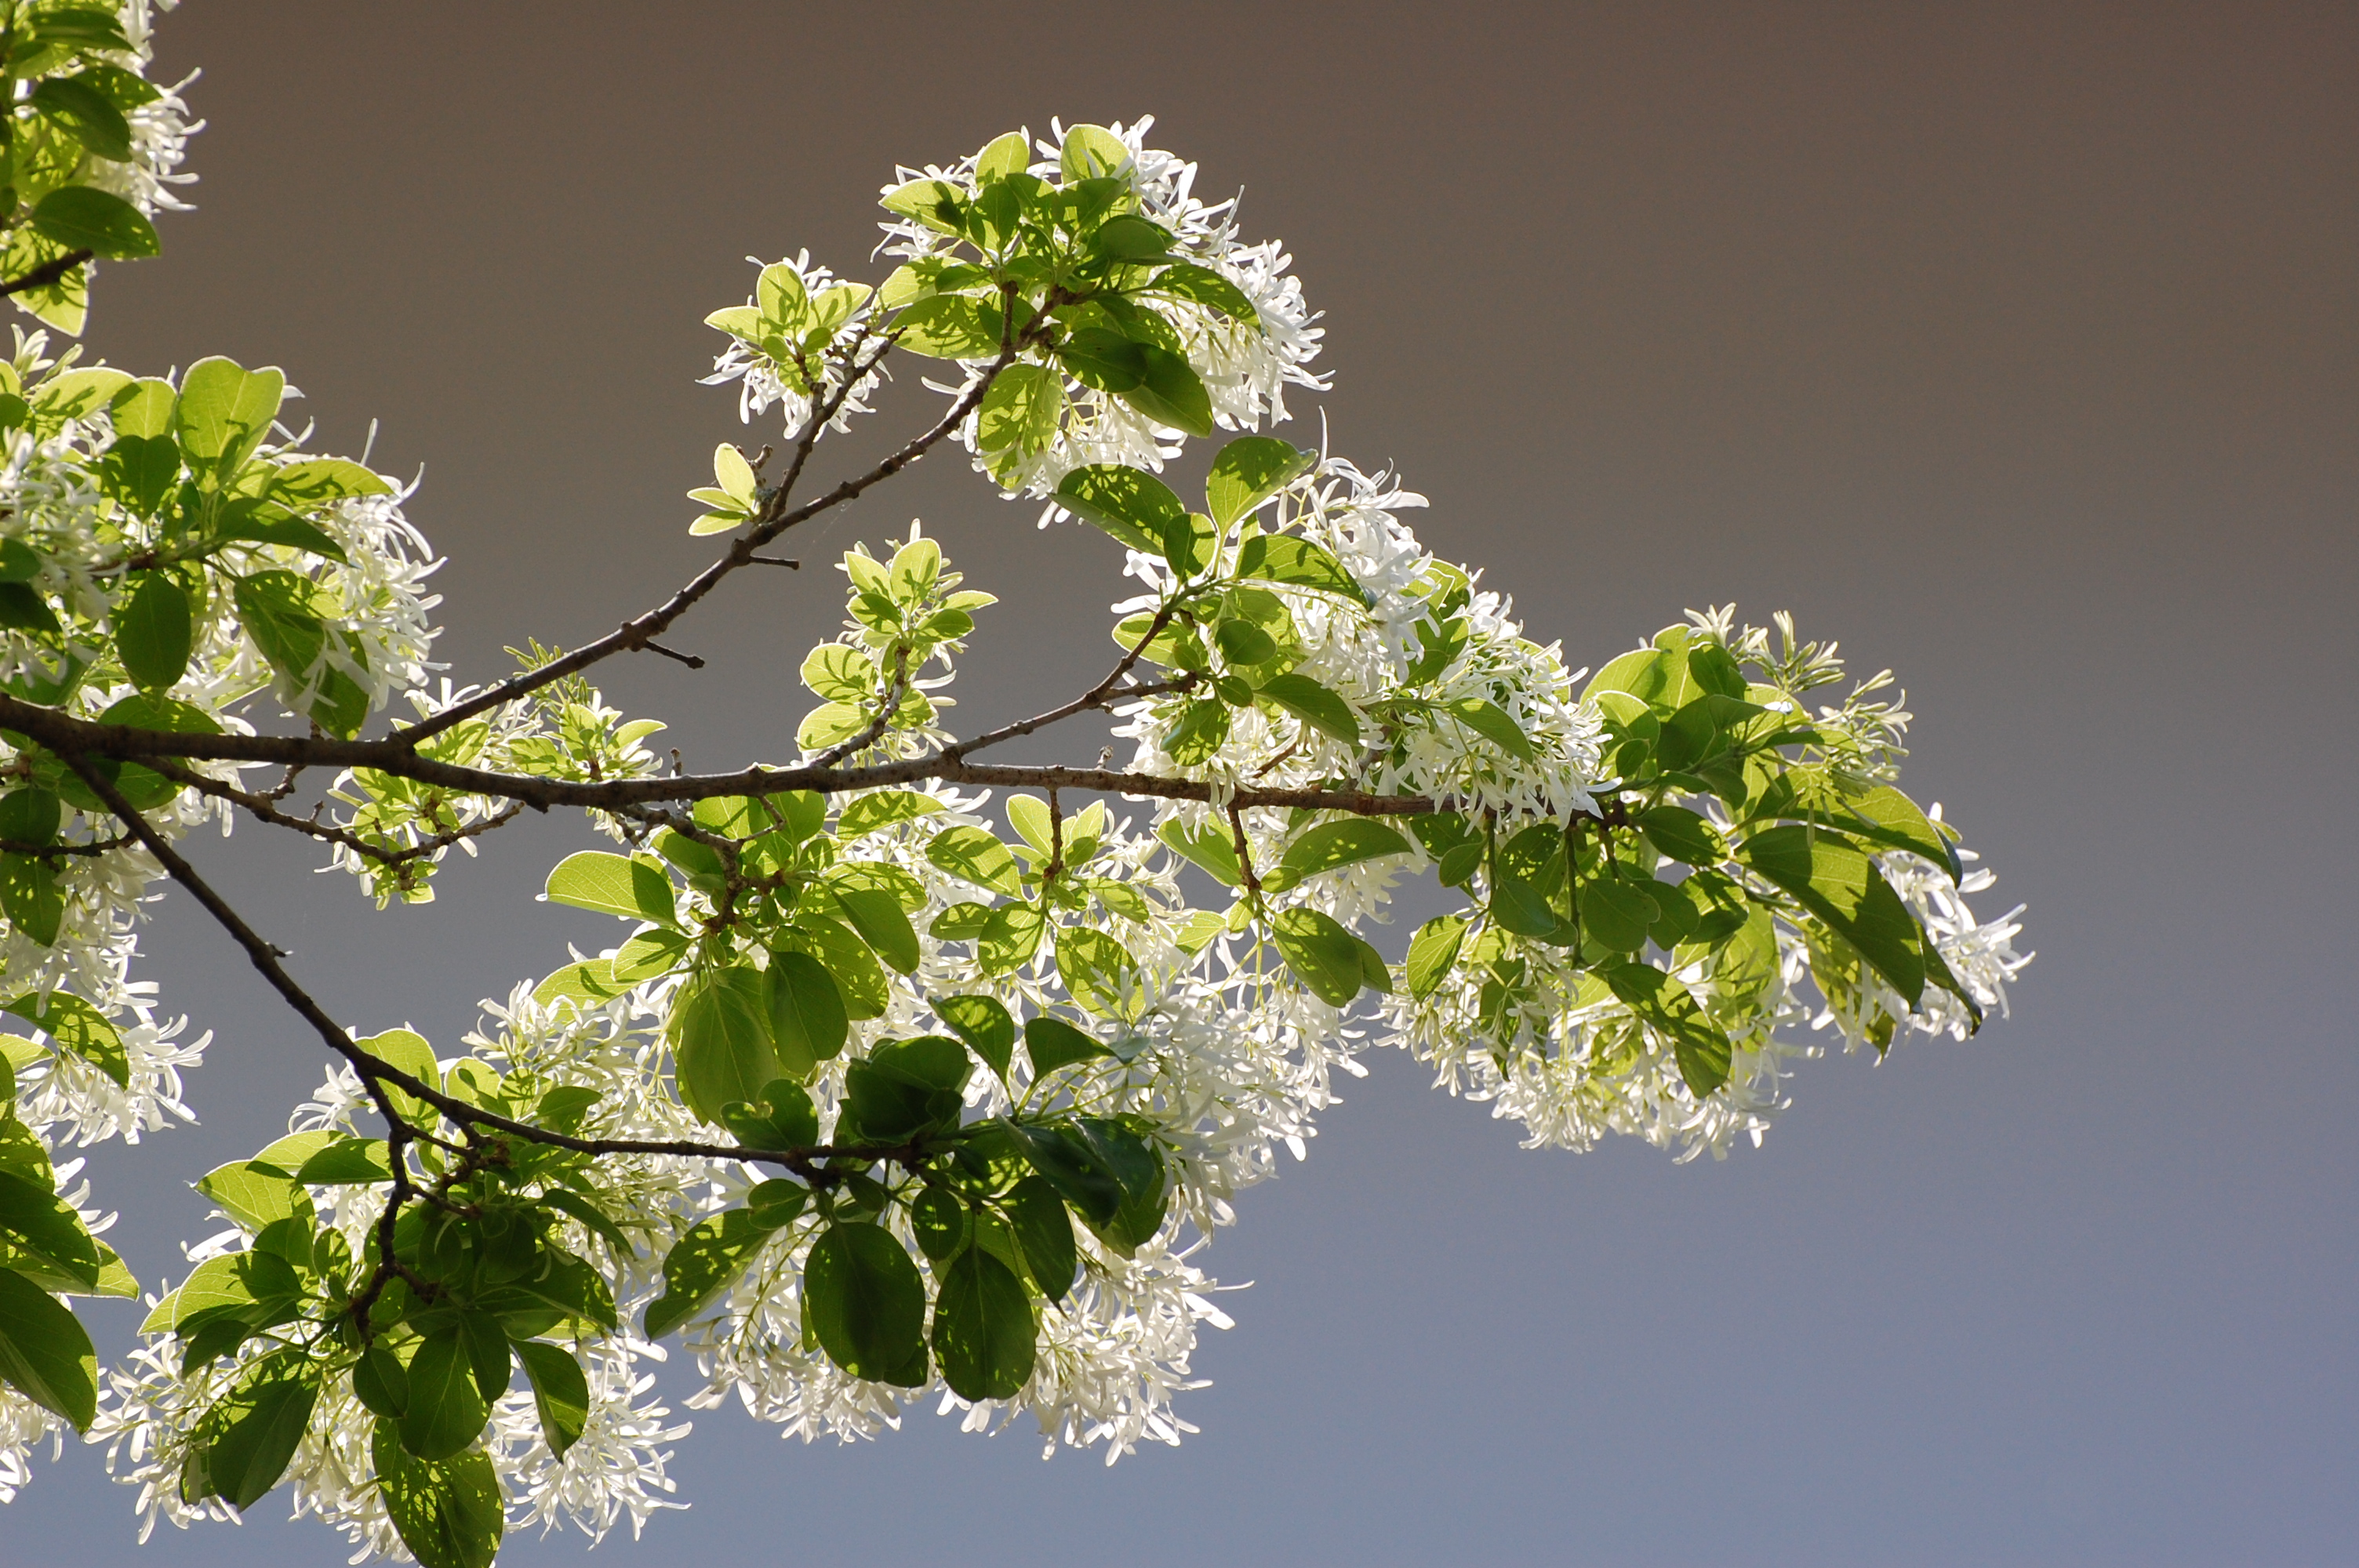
(2013, 345)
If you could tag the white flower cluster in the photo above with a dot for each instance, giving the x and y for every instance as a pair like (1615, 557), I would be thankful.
(1245, 366)
(803, 378)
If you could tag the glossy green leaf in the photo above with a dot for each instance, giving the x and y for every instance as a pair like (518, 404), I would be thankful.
(857, 974)
(225, 410)
(34, 1218)
(346, 1161)
(153, 631)
(1187, 280)
(1010, 937)
(1321, 954)
(1138, 509)
(1700, 1045)
(1248, 472)
(78, 1030)
(1616, 914)
(1285, 558)
(240, 1447)
(44, 1353)
(1494, 723)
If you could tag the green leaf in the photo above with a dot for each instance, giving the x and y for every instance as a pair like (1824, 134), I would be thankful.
(1322, 955)
(614, 884)
(1044, 1232)
(1091, 152)
(1683, 834)
(950, 327)
(1494, 723)
(30, 897)
(1433, 952)
(33, 1218)
(985, 1024)
(225, 411)
(451, 1514)
(409, 1052)
(866, 1304)
(1171, 394)
(1616, 915)
(974, 855)
(1248, 472)
(264, 522)
(1019, 415)
(142, 472)
(590, 984)
(1010, 937)
(1073, 1167)
(1187, 280)
(1835, 880)
(808, 1021)
(380, 1382)
(31, 816)
(904, 1089)
(876, 914)
(1209, 847)
(868, 813)
(18, 561)
(84, 217)
(1136, 508)
(1700, 1045)
(649, 955)
(86, 114)
(143, 409)
(857, 974)
(722, 1046)
(1333, 845)
(347, 1162)
(241, 1447)
(938, 1221)
(1138, 1169)
(153, 631)
(1283, 557)
(1050, 1042)
(983, 1332)
(1100, 973)
(561, 1394)
(277, 611)
(1314, 703)
(1201, 731)
(78, 1030)
(447, 1410)
(321, 481)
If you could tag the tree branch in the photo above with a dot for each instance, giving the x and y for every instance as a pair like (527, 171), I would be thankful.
(48, 272)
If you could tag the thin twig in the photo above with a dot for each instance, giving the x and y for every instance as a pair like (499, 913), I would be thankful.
(48, 272)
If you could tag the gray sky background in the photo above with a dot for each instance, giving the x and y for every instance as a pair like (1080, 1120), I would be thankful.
(2013, 345)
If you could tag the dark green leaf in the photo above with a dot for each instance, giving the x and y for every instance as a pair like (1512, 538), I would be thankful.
(1322, 955)
(1052, 1043)
(277, 611)
(153, 633)
(380, 1382)
(30, 897)
(34, 1218)
(446, 1410)
(876, 914)
(1616, 914)
(904, 1089)
(84, 217)
(1700, 1045)
(984, 1331)
(1494, 723)
(242, 1445)
(561, 1394)
(142, 471)
(866, 1304)
(87, 113)
(1045, 1233)
(23, 608)
(1185, 280)
(1169, 393)
(1073, 1168)
(1683, 834)
(44, 1353)
(450, 1514)
(854, 968)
